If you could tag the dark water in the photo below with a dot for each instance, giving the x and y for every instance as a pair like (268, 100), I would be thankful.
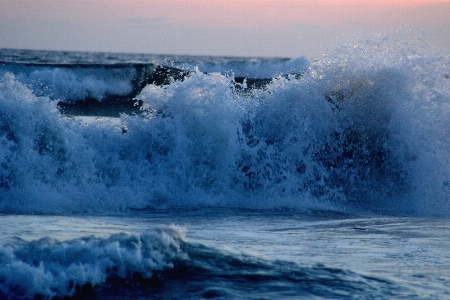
(151, 176)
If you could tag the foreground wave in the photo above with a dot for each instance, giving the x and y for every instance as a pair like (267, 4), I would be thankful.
(161, 264)
(364, 128)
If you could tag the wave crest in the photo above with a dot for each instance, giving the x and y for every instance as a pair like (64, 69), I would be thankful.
(364, 128)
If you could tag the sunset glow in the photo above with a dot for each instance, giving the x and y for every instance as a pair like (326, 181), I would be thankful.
(176, 25)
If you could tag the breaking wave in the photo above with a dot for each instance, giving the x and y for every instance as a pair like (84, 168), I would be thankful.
(161, 264)
(365, 127)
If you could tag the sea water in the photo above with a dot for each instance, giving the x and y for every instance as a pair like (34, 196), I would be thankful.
(183, 177)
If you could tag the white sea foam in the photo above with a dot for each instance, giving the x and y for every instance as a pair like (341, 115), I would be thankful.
(365, 127)
(70, 84)
(50, 268)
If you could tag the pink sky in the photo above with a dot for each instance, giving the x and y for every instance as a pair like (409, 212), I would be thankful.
(215, 27)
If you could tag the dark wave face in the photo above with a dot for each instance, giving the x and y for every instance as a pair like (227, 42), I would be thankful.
(364, 128)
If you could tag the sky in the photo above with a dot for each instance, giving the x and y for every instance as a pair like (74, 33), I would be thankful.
(258, 28)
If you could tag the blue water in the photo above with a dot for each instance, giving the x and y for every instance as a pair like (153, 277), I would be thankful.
(152, 176)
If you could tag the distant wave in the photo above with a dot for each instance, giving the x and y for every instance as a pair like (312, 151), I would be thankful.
(110, 89)
(363, 128)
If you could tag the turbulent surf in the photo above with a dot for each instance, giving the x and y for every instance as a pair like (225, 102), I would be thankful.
(361, 131)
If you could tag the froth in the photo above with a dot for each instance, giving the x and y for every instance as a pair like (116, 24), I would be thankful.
(364, 128)
(50, 268)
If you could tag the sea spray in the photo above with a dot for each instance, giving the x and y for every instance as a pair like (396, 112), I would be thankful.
(365, 127)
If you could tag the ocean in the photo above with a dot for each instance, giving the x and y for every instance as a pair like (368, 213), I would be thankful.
(137, 176)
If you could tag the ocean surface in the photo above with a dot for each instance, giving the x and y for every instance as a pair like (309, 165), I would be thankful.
(134, 176)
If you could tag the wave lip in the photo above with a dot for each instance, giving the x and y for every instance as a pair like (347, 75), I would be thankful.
(49, 268)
